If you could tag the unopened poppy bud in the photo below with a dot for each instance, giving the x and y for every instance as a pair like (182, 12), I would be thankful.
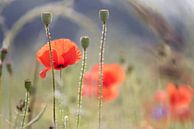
(4, 52)
(85, 41)
(104, 15)
(20, 106)
(1, 67)
(9, 68)
(46, 18)
(28, 85)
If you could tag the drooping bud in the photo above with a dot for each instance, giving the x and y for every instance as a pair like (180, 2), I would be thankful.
(28, 85)
(46, 18)
(4, 52)
(104, 15)
(9, 68)
(20, 106)
(85, 41)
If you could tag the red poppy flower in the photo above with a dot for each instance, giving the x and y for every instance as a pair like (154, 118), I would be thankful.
(113, 77)
(64, 51)
(180, 99)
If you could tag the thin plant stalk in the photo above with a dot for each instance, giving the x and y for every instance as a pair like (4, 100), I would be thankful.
(53, 73)
(101, 62)
(80, 87)
(60, 73)
(26, 109)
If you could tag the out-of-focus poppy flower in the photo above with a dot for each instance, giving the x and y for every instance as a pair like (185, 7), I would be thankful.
(160, 97)
(180, 99)
(175, 103)
(113, 77)
(64, 51)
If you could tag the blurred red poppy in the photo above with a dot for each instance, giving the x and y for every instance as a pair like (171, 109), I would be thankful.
(113, 77)
(64, 51)
(180, 99)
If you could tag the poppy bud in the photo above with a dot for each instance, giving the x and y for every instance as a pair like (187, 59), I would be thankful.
(20, 105)
(4, 52)
(28, 85)
(46, 18)
(1, 66)
(9, 68)
(104, 15)
(85, 41)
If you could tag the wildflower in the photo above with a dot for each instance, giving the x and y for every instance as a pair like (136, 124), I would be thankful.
(180, 99)
(64, 51)
(113, 77)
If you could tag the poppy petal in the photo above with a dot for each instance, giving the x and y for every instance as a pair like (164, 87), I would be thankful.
(43, 72)
(44, 57)
(72, 56)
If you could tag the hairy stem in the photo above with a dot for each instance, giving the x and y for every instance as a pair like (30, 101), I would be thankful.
(26, 109)
(80, 88)
(101, 61)
(53, 73)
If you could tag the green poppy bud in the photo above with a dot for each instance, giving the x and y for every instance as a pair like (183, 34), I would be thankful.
(9, 67)
(1, 67)
(104, 15)
(4, 52)
(28, 85)
(85, 41)
(46, 18)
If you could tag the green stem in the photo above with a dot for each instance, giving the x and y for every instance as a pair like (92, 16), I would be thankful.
(53, 73)
(101, 61)
(80, 87)
(26, 109)
(60, 73)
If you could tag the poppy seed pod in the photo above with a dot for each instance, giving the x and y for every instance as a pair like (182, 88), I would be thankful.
(28, 85)
(9, 68)
(85, 41)
(1, 67)
(46, 18)
(104, 15)
(4, 52)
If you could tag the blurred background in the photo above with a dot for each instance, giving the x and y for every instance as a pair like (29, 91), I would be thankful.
(125, 30)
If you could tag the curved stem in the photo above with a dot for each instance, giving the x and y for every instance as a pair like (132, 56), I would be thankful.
(101, 61)
(80, 87)
(53, 73)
